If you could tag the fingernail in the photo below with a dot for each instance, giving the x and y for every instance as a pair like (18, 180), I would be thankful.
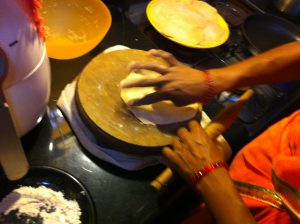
(152, 51)
(130, 102)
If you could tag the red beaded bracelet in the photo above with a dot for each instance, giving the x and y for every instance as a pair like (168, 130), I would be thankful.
(210, 92)
(198, 175)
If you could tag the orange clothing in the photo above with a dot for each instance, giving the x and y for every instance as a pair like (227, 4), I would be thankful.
(267, 174)
(272, 161)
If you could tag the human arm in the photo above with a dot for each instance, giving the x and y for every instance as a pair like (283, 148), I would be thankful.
(193, 152)
(278, 65)
(184, 85)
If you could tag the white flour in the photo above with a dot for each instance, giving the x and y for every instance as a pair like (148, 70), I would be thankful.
(39, 205)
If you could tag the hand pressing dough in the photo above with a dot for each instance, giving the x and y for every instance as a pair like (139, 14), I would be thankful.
(160, 113)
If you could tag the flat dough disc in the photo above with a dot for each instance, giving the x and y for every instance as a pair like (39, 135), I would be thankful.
(160, 113)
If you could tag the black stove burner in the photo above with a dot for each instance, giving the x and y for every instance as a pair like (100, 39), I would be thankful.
(259, 104)
(233, 13)
(234, 50)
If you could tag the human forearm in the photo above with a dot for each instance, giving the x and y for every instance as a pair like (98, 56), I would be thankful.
(278, 65)
(222, 199)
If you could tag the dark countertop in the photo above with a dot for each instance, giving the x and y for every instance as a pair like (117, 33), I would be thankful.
(119, 196)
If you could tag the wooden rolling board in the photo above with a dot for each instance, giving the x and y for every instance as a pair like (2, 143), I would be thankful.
(102, 109)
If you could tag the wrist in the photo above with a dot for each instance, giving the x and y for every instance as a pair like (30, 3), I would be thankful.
(222, 199)
(210, 90)
(213, 181)
(222, 79)
(200, 174)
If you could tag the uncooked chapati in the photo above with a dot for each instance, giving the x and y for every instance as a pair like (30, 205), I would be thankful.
(160, 113)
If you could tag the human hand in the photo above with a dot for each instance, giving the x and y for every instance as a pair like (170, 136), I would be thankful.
(179, 83)
(193, 151)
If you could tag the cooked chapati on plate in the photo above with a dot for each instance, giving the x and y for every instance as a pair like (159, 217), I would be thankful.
(189, 22)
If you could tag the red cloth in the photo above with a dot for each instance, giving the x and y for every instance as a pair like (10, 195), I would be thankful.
(277, 149)
(32, 8)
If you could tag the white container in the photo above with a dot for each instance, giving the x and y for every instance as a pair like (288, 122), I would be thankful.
(27, 84)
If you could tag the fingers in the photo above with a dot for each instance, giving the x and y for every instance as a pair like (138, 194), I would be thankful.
(180, 102)
(197, 130)
(143, 82)
(168, 57)
(148, 99)
(195, 134)
(186, 137)
(195, 126)
(158, 95)
(171, 155)
(152, 67)
(177, 155)
(177, 146)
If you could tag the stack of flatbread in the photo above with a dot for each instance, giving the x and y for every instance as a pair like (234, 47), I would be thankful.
(189, 22)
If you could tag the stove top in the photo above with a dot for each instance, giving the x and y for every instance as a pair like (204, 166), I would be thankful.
(270, 102)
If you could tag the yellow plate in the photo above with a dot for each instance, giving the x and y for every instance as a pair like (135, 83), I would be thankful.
(74, 27)
(221, 21)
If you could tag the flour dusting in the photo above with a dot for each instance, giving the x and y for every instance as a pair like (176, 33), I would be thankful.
(39, 205)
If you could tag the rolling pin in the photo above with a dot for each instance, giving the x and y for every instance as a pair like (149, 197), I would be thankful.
(215, 128)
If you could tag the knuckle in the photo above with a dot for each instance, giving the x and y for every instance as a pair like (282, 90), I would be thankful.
(168, 55)
(180, 130)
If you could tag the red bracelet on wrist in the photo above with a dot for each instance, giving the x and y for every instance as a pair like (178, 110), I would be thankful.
(210, 92)
(198, 175)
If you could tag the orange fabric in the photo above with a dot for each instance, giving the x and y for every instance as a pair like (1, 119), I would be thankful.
(287, 168)
(278, 148)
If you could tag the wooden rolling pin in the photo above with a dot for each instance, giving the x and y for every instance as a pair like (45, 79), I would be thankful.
(215, 128)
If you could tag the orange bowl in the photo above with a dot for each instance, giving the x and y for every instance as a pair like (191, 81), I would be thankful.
(74, 27)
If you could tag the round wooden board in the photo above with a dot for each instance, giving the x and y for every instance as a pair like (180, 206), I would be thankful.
(102, 109)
